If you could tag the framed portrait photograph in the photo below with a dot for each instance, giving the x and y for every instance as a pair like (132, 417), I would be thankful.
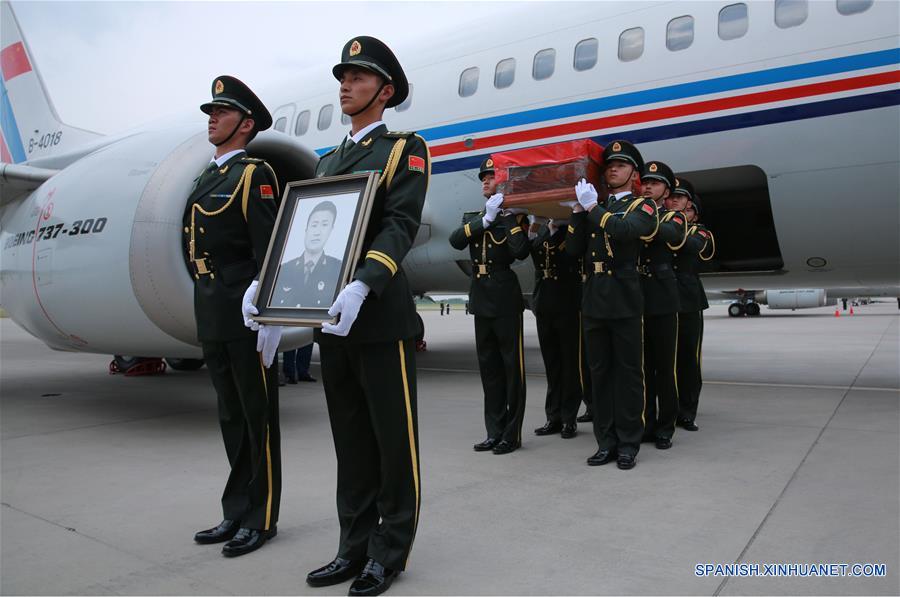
(314, 248)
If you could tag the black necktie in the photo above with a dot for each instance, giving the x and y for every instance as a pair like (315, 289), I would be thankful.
(307, 269)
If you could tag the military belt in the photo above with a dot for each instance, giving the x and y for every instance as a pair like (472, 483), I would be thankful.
(602, 267)
(483, 269)
(647, 270)
(203, 267)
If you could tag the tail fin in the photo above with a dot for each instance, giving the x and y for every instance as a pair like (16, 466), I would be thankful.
(29, 125)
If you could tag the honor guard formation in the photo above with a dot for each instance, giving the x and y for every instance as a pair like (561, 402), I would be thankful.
(617, 300)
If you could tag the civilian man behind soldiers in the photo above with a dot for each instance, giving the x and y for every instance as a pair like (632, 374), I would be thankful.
(699, 246)
(661, 306)
(311, 279)
(556, 303)
(368, 356)
(227, 223)
(609, 237)
(495, 241)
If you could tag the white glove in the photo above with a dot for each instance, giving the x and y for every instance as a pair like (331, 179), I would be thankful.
(587, 195)
(552, 226)
(347, 304)
(492, 208)
(267, 341)
(247, 308)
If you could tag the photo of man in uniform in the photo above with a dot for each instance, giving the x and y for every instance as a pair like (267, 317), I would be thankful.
(310, 280)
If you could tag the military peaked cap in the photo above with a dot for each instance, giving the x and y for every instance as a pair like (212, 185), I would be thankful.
(623, 151)
(659, 171)
(487, 167)
(372, 54)
(229, 92)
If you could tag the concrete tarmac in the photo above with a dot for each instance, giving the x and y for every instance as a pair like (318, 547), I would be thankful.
(797, 461)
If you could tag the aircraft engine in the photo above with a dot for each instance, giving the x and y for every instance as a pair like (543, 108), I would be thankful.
(792, 299)
(92, 260)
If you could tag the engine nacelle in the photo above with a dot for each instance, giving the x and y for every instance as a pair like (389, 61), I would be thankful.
(803, 298)
(92, 260)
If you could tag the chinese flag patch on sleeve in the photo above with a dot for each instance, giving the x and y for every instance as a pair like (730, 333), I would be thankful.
(677, 220)
(647, 209)
(417, 164)
(265, 191)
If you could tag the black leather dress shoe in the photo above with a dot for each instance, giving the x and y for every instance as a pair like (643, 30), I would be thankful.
(569, 430)
(247, 540)
(601, 457)
(334, 572)
(306, 377)
(549, 428)
(505, 447)
(687, 425)
(625, 461)
(587, 417)
(291, 379)
(375, 579)
(663, 443)
(224, 532)
(487, 444)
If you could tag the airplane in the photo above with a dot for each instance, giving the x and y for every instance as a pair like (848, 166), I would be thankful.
(783, 115)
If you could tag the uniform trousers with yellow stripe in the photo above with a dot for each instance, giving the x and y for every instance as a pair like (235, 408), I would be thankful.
(615, 355)
(370, 389)
(661, 391)
(248, 415)
(690, 353)
(559, 336)
(501, 361)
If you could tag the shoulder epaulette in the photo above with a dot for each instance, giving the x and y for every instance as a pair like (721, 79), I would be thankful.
(330, 151)
(398, 134)
(249, 160)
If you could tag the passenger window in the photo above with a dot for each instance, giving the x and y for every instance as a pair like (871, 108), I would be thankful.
(345, 120)
(544, 64)
(631, 44)
(733, 21)
(302, 124)
(680, 33)
(325, 117)
(280, 124)
(468, 82)
(790, 13)
(851, 7)
(505, 73)
(404, 106)
(585, 54)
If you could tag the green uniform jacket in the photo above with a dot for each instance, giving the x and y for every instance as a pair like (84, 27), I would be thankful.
(231, 237)
(388, 313)
(685, 263)
(557, 275)
(495, 289)
(657, 275)
(610, 237)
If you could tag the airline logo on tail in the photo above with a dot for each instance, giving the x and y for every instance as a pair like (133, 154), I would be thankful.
(13, 62)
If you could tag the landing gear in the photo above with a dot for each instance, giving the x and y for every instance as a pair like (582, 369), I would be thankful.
(752, 309)
(736, 310)
(133, 366)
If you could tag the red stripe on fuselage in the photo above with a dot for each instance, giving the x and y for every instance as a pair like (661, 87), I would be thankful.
(715, 105)
(14, 61)
(4, 151)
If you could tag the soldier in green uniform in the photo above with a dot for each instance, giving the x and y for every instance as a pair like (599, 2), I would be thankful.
(609, 237)
(556, 304)
(368, 356)
(496, 240)
(661, 307)
(699, 246)
(228, 220)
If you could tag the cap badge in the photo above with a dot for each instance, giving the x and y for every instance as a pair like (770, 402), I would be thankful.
(489, 163)
(320, 285)
(617, 146)
(220, 86)
(355, 48)
(652, 167)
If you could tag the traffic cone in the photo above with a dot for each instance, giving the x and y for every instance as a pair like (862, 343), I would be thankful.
(851, 310)
(837, 313)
